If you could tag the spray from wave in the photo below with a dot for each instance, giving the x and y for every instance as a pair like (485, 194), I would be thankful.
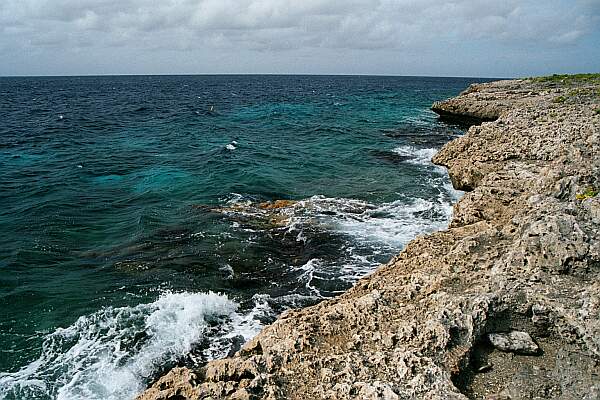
(112, 353)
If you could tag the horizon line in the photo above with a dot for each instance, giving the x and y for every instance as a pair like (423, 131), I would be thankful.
(251, 74)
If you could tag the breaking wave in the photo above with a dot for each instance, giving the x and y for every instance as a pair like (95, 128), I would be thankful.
(416, 155)
(112, 354)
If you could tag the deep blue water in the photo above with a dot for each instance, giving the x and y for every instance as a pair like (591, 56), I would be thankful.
(128, 203)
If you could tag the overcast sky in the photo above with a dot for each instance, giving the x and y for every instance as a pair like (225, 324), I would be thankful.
(491, 38)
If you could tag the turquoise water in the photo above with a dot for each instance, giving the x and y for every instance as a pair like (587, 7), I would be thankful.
(131, 232)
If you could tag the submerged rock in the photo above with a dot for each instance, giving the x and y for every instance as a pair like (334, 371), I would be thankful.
(271, 205)
(522, 254)
(265, 216)
(390, 156)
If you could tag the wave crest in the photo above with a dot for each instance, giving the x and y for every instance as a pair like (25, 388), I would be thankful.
(112, 353)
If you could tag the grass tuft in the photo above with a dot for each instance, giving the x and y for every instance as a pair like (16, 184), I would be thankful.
(559, 99)
(588, 193)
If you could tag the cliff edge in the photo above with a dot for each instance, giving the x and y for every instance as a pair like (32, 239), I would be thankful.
(504, 304)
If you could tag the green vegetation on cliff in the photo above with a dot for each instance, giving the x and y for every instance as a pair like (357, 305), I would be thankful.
(589, 193)
(568, 79)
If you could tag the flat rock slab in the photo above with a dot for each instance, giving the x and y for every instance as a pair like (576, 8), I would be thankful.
(514, 342)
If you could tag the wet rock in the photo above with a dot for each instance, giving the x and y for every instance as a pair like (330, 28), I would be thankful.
(264, 216)
(515, 342)
(271, 205)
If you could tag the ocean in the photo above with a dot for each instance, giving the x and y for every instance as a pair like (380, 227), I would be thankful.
(154, 221)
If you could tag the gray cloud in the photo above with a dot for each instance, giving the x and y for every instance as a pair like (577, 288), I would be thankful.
(273, 24)
(291, 25)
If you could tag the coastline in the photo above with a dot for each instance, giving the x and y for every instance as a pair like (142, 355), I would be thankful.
(522, 253)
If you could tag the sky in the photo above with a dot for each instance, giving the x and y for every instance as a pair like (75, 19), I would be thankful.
(486, 38)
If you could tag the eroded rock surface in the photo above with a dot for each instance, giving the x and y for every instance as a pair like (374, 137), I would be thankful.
(522, 254)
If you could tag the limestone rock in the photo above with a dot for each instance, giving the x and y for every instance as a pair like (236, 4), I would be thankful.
(515, 341)
(179, 383)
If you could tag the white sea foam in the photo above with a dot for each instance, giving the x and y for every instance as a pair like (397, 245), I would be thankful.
(384, 228)
(243, 326)
(110, 354)
(395, 224)
(418, 156)
(307, 276)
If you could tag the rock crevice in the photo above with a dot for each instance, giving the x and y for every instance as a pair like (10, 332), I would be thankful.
(522, 254)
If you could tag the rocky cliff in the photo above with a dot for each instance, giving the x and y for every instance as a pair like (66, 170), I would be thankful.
(504, 304)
